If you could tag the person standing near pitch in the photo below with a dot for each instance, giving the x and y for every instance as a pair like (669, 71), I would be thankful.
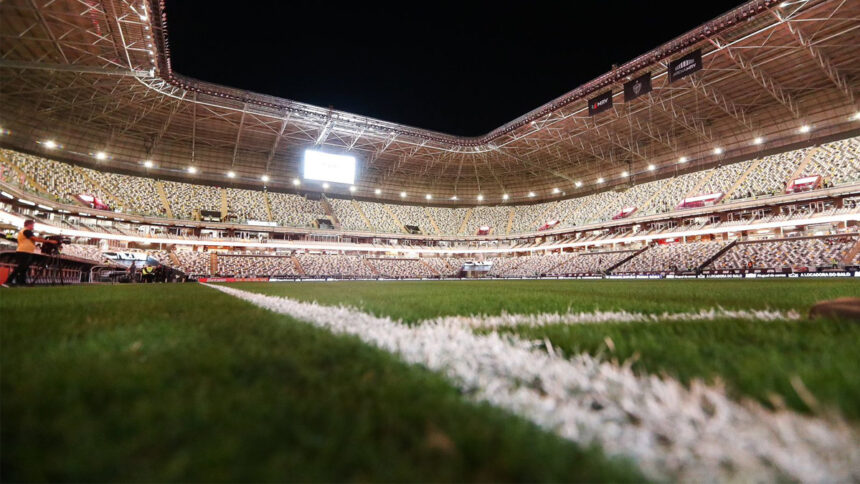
(24, 253)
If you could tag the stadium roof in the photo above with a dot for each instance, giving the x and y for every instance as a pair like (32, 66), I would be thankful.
(96, 76)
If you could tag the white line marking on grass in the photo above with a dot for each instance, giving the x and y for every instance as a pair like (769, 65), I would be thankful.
(546, 319)
(672, 432)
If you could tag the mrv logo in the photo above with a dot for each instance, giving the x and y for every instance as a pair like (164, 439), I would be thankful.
(684, 66)
(600, 103)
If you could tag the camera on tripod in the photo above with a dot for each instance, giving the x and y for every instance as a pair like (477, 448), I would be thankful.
(54, 249)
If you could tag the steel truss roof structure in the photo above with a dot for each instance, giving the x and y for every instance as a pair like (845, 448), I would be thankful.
(96, 75)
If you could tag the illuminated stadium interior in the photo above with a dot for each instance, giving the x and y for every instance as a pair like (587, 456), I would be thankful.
(730, 152)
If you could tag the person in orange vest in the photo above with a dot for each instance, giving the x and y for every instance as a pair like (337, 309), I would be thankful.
(24, 253)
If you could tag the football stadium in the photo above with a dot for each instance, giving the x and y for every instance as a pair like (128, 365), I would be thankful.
(654, 276)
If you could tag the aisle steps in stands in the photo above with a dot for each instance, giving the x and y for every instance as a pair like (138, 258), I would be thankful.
(849, 257)
(740, 180)
(268, 206)
(465, 222)
(225, 209)
(159, 187)
(357, 208)
(542, 218)
(663, 187)
(98, 187)
(695, 191)
(803, 164)
(716, 256)
(299, 269)
(430, 268)
(213, 263)
(394, 217)
(330, 212)
(370, 266)
(429, 214)
(622, 261)
(175, 260)
(510, 224)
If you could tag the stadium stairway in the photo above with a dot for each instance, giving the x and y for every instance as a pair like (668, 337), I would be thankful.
(98, 186)
(363, 216)
(728, 195)
(394, 217)
(370, 266)
(849, 257)
(427, 211)
(299, 269)
(695, 191)
(225, 209)
(268, 206)
(213, 263)
(174, 260)
(622, 261)
(465, 222)
(159, 187)
(542, 217)
(716, 256)
(803, 164)
(330, 212)
(655, 195)
(429, 267)
(511, 216)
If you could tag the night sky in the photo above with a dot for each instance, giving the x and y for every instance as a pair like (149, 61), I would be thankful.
(462, 68)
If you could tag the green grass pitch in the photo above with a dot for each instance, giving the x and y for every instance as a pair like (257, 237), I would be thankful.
(180, 382)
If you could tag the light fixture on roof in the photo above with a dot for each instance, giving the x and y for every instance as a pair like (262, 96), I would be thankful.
(352, 188)
(682, 159)
(600, 180)
(428, 196)
(578, 184)
(718, 151)
(100, 155)
(805, 128)
(556, 190)
(148, 164)
(480, 198)
(325, 186)
(402, 194)
(531, 194)
(265, 178)
(856, 117)
(231, 174)
(454, 197)
(624, 173)
(192, 169)
(784, 4)
(296, 182)
(50, 144)
(651, 167)
(377, 191)
(759, 140)
(505, 196)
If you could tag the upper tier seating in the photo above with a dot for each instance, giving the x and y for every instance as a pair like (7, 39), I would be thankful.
(185, 199)
(771, 175)
(347, 215)
(496, 218)
(294, 210)
(837, 162)
(247, 205)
